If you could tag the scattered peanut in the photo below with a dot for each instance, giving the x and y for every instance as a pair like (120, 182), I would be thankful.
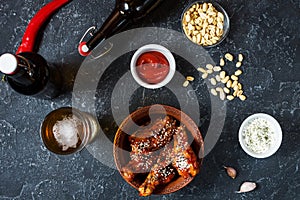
(210, 71)
(222, 62)
(213, 92)
(229, 57)
(222, 74)
(240, 86)
(239, 93)
(234, 83)
(234, 77)
(219, 89)
(200, 69)
(241, 57)
(230, 97)
(235, 93)
(224, 80)
(238, 64)
(205, 75)
(238, 72)
(209, 66)
(236, 88)
(190, 78)
(242, 97)
(229, 83)
(186, 83)
(213, 81)
(226, 90)
(222, 95)
(217, 68)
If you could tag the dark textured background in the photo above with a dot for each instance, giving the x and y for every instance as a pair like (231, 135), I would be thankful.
(266, 32)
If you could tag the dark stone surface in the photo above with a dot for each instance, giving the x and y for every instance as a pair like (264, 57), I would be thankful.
(266, 32)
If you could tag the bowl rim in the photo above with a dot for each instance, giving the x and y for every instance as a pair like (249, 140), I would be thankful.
(153, 47)
(220, 9)
(277, 130)
(169, 110)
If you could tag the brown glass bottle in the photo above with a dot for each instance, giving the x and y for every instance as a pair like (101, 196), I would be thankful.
(29, 74)
(125, 11)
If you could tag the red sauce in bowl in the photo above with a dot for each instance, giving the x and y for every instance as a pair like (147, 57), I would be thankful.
(152, 67)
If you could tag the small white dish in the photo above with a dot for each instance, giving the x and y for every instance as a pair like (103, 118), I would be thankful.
(275, 127)
(149, 48)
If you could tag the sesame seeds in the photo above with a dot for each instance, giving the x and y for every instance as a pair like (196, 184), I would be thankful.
(181, 162)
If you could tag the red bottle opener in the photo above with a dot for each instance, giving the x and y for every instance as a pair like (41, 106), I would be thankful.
(29, 38)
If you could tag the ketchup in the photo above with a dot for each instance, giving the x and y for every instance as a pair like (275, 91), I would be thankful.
(152, 67)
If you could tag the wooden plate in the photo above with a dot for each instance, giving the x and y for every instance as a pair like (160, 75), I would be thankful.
(141, 117)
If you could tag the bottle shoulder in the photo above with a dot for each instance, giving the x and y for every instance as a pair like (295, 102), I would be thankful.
(136, 9)
(34, 58)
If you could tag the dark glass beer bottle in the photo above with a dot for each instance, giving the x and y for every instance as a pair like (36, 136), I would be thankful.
(29, 74)
(125, 11)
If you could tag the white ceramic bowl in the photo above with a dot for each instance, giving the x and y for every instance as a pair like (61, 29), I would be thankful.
(158, 48)
(277, 131)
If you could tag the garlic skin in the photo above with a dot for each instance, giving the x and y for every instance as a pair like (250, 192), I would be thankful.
(231, 172)
(247, 187)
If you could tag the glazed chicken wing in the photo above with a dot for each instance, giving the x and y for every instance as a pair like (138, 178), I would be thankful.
(151, 139)
(185, 160)
(161, 173)
(139, 163)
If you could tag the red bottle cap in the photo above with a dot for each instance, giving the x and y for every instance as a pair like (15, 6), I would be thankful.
(83, 49)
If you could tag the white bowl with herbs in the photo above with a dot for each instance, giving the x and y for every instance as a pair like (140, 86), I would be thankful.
(260, 135)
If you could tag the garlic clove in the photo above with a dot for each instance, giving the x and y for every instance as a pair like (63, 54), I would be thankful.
(231, 172)
(247, 187)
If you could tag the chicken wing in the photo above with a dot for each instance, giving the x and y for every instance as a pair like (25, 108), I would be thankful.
(161, 173)
(151, 139)
(185, 160)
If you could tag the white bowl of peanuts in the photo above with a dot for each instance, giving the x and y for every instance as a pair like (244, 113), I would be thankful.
(205, 23)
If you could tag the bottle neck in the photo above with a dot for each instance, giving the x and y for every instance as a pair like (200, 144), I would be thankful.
(24, 73)
(116, 21)
(124, 12)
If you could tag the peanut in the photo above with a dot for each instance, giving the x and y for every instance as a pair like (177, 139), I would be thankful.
(238, 64)
(229, 57)
(209, 66)
(213, 92)
(229, 83)
(234, 77)
(200, 69)
(224, 80)
(242, 97)
(222, 62)
(217, 68)
(213, 81)
(226, 90)
(230, 97)
(222, 74)
(205, 75)
(238, 72)
(185, 83)
(240, 57)
(190, 78)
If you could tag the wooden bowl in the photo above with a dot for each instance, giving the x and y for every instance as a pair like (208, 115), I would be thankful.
(141, 117)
